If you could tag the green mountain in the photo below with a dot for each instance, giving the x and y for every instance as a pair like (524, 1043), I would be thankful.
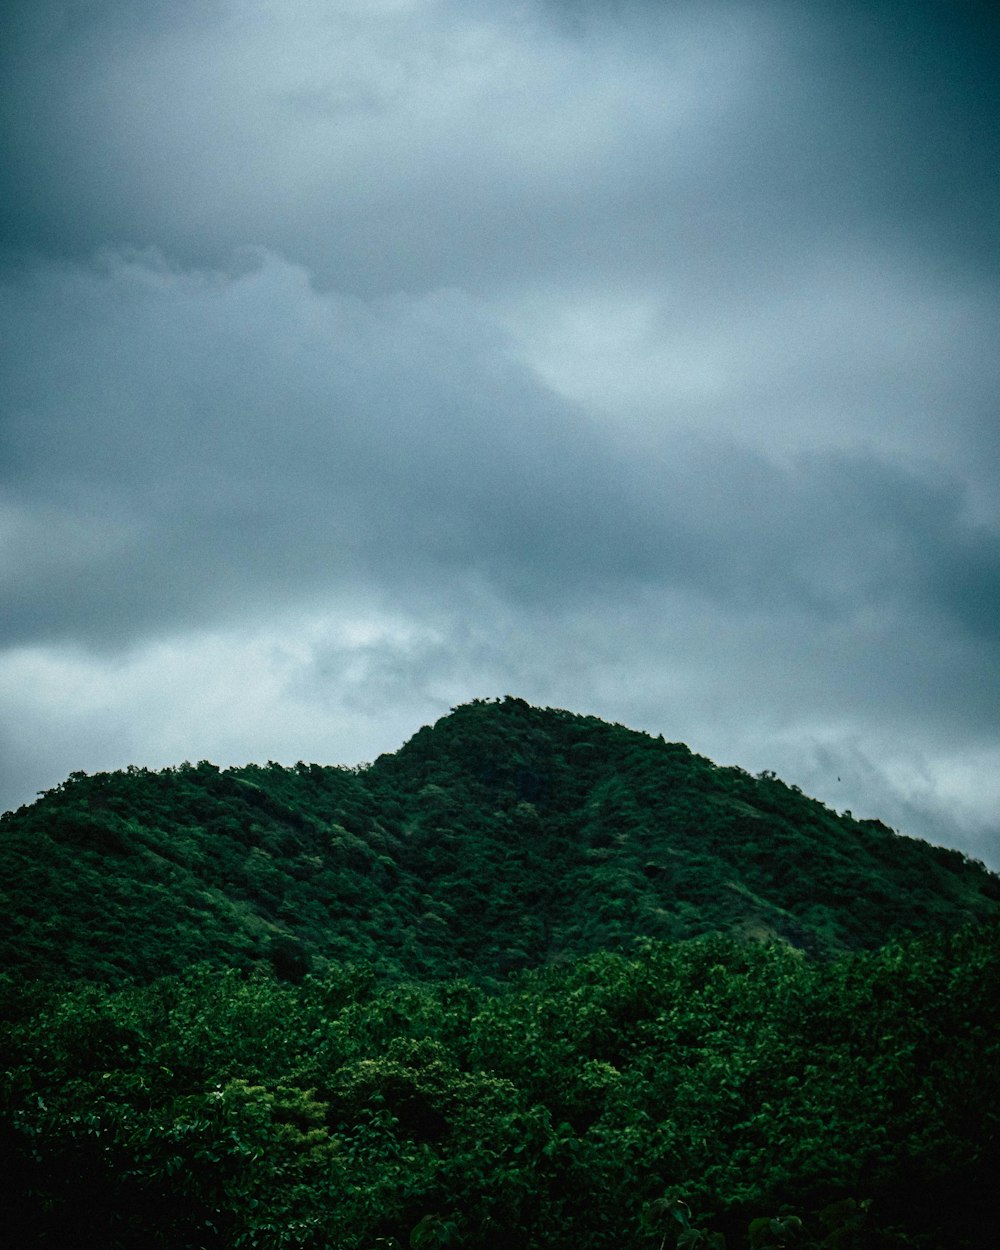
(533, 982)
(503, 837)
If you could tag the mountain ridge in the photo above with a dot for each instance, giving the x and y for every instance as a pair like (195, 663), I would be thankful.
(501, 837)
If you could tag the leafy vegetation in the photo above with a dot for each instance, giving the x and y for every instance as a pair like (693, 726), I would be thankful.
(585, 1105)
(532, 981)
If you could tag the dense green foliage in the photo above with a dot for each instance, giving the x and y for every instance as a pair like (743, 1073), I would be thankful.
(533, 981)
(572, 1108)
(501, 838)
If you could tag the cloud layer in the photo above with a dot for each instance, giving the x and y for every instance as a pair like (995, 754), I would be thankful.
(636, 359)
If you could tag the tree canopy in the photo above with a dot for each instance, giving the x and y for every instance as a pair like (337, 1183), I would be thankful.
(533, 981)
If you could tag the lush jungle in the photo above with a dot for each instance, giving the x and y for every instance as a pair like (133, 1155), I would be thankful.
(532, 981)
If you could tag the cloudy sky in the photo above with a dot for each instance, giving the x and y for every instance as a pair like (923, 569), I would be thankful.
(637, 357)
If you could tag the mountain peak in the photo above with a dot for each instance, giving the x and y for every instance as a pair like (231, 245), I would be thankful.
(502, 836)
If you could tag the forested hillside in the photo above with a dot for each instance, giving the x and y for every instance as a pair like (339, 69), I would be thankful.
(532, 982)
(503, 837)
(600, 1104)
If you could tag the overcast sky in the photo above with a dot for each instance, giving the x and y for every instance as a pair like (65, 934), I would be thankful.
(363, 357)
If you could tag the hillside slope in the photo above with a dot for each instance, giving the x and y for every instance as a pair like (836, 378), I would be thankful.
(504, 836)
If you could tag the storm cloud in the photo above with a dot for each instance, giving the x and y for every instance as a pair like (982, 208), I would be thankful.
(637, 359)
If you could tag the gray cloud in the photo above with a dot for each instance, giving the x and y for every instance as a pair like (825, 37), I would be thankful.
(176, 443)
(414, 146)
